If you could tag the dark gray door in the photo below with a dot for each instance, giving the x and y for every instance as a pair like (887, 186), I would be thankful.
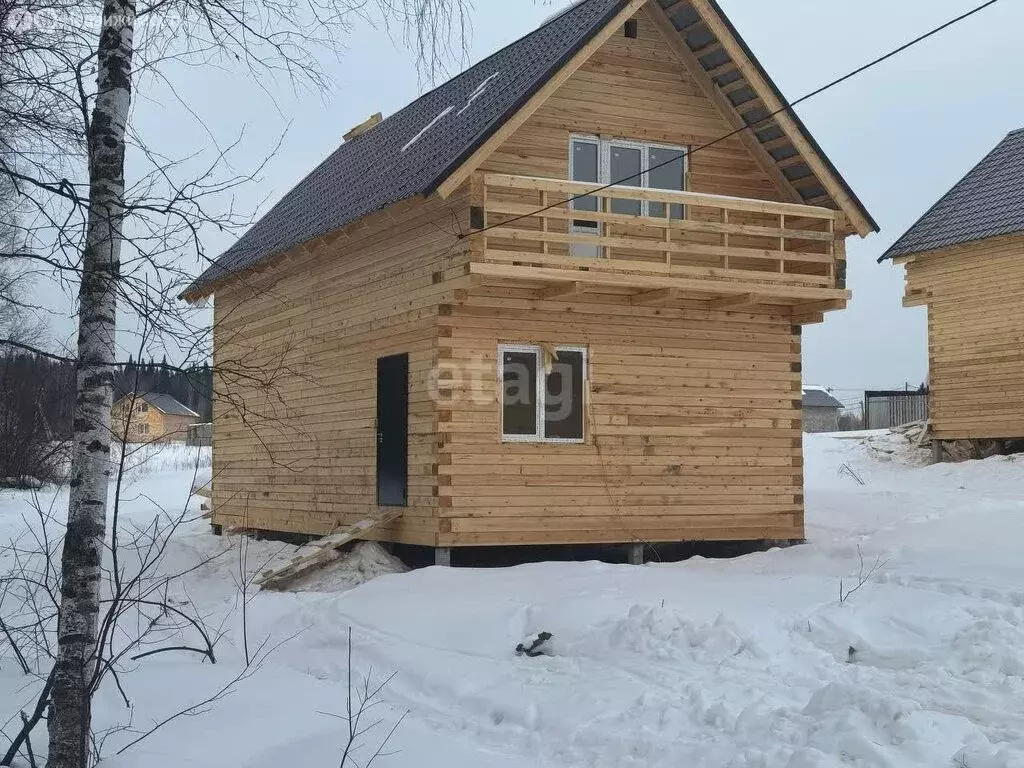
(393, 430)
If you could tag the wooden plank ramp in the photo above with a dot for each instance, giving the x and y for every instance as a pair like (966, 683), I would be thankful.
(319, 553)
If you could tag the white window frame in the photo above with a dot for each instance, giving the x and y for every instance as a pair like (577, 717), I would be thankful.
(604, 146)
(540, 394)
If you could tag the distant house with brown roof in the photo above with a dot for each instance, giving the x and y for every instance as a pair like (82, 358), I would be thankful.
(964, 261)
(149, 417)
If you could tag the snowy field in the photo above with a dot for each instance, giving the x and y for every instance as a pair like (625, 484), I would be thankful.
(741, 663)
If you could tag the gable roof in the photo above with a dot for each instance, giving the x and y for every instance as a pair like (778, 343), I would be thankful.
(163, 403)
(818, 397)
(416, 149)
(987, 202)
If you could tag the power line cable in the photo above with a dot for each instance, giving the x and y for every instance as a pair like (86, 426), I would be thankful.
(750, 127)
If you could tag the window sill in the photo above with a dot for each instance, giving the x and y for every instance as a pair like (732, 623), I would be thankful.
(543, 440)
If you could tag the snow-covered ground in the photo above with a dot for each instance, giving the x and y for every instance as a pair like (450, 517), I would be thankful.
(745, 662)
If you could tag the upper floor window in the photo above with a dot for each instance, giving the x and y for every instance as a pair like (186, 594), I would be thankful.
(144, 407)
(634, 164)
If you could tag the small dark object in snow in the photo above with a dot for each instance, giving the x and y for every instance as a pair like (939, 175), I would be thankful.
(539, 646)
(851, 655)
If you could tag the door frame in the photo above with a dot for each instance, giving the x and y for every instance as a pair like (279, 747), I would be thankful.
(379, 435)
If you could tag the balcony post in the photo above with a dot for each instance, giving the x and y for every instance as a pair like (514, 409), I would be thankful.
(782, 243)
(544, 246)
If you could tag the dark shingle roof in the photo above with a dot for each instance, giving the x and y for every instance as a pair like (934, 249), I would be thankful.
(819, 398)
(987, 202)
(167, 404)
(415, 149)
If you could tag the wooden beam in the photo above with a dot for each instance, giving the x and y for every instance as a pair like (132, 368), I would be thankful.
(833, 185)
(732, 302)
(455, 180)
(713, 47)
(566, 291)
(754, 205)
(678, 6)
(810, 180)
(684, 284)
(656, 296)
(779, 143)
(816, 307)
(814, 312)
(721, 69)
(749, 105)
(689, 61)
(735, 85)
(789, 162)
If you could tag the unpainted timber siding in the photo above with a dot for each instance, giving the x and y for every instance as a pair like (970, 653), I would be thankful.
(975, 336)
(306, 333)
(635, 89)
(693, 418)
(692, 427)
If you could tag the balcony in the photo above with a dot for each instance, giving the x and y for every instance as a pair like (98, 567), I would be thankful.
(656, 245)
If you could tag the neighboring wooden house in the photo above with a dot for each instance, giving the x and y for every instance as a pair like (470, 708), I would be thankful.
(964, 260)
(151, 417)
(821, 410)
(426, 289)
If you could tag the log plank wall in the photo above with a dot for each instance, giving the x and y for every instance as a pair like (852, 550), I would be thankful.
(975, 336)
(295, 351)
(693, 425)
(693, 420)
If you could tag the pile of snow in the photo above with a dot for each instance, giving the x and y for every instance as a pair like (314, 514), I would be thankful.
(364, 561)
(752, 662)
(890, 445)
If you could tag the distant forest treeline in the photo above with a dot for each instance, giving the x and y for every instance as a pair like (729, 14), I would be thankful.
(30, 384)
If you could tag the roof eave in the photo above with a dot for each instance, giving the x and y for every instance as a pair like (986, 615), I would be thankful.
(805, 132)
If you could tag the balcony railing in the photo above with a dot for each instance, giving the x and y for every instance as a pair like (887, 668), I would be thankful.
(632, 237)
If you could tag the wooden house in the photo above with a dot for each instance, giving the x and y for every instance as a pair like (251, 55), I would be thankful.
(463, 327)
(964, 261)
(151, 417)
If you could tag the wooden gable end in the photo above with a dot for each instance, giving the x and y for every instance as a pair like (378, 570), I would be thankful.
(636, 88)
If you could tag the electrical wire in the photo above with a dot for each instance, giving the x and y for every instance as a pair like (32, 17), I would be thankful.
(750, 127)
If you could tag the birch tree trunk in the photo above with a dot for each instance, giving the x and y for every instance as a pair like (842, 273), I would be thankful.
(69, 719)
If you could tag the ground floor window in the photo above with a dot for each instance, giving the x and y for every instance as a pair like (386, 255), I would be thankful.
(543, 392)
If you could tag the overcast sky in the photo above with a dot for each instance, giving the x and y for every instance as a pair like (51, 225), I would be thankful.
(901, 134)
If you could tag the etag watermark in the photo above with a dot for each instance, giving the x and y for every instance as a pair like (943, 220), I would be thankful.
(479, 381)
